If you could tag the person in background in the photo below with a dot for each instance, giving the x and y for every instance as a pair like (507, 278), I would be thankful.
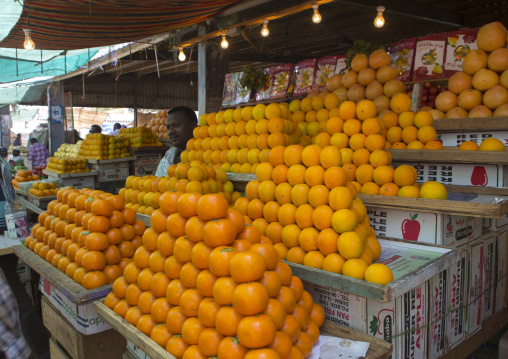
(31, 324)
(180, 123)
(16, 160)
(96, 129)
(12, 342)
(37, 153)
(17, 141)
(116, 129)
(76, 136)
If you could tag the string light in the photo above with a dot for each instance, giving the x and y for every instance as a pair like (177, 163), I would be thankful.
(224, 43)
(379, 21)
(29, 43)
(316, 18)
(181, 55)
(264, 31)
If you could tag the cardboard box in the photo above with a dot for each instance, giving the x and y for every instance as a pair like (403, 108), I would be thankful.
(501, 270)
(441, 229)
(113, 174)
(459, 44)
(489, 260)
(136, 351)
(80, 182)
(429, 57)
(453, 139)
(412, 314)
(456, 287)
(23, 271)
(340, 308)
(144, 170)
(82, 317)
(474, 298)
(461, 174)
(148, 160)
(437, 314)
(495, 224)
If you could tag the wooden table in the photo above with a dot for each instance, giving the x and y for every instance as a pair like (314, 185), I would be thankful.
(378, 349)
(7, 243)
(72, 290)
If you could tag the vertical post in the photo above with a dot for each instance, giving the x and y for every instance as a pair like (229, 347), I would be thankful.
(201, 73)
(217, 66)
(56, 111)
(136, 102)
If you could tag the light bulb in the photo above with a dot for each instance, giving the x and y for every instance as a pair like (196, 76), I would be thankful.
(28, 44)
(181, 55)
(379, 21)
(264, 31)
(316, 18)
(224, 43)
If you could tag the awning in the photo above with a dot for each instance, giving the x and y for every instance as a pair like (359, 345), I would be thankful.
(79, 24)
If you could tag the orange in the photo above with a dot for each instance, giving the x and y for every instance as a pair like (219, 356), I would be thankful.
(212, 206)
(296, 174)
(291, 327)
(158, 221)
(303, 216)
(256, 331)
(230, 348)
(145, 324)
(227, 320)
(330, 156)
(322, 217)
(378, 273)
(340, 198)
(160, 334)
(175, 225)
(354, 268)
(350, 245)
(405, 175)
(293, 155)
(250, 298)
(247, 267)
(207, 311)
(333, 262)
(176, 346)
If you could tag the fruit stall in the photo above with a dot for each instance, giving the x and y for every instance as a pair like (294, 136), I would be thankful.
(345, 201)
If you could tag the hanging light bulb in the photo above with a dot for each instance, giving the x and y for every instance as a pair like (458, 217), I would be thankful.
(316, 18)
(29, 43)
(181, 55)
(264, 31)
(224, 43)
(379, 21)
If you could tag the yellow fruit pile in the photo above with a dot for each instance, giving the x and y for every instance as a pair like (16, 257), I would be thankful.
(143, 194)
(204, 284)
(481, 88)
(139, 137)
(88, 235)
(67, 165)
(238, 140)
(488, 144)
(158, 124)
(103, 147)
(304, 205)
(43, 189)
(410, 130)
(23, 176)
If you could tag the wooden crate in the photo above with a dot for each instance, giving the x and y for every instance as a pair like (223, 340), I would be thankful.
(56, 351)
(378, 349)
(107, 344)
(144, 218)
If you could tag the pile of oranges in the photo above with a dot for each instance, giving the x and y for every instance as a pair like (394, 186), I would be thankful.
(304, 205)
(158, 124)
(23, 176)
(238, 140)
(87, 234)
(143, 194)
(206, 284)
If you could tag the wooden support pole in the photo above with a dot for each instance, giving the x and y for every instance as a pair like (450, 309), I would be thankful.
(201, 73)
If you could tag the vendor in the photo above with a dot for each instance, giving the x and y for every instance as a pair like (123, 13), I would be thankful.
(37, 153)
(96, 129)
(17, 141)
(16, 160)
(180, 123)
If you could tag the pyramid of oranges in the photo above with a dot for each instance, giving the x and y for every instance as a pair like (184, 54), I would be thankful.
(88, 235)
(303, 203)
(102, 147)
(158, 124)
(206, 284)
(143, 194)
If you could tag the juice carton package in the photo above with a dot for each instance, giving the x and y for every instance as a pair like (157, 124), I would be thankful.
(264, 92)
(242, 93)
(341, 66)
(402, 54)
(429, 57)
(459, 44)
(324, 70)
(229, 93)
(305, 76)
(281, 77)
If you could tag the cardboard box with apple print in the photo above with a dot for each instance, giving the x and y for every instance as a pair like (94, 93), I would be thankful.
(475, 287)
(438, 285)
(453, 139)
(495, 224)
(455, 298)
(440, 229)
(489, 262)
(485, 175)
(501, 286)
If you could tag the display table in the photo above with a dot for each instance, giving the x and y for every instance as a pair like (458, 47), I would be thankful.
(77, 180)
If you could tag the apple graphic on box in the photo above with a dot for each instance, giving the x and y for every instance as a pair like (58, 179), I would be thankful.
(479, 176)
(411, 228)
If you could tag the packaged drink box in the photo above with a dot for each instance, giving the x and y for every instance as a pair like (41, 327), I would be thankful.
(459, 44)
(402, 54)
(305, 77)
(441, 229)
(429, 57)
(324, 70)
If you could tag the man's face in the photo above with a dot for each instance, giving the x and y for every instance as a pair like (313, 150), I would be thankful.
(179, 129)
